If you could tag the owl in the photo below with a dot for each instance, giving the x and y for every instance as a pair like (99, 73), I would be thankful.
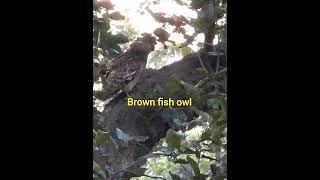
(123, 72)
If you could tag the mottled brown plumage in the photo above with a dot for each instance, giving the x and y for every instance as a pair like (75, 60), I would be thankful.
(123, 72)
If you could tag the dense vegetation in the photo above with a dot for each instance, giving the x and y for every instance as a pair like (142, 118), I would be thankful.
(195, 146)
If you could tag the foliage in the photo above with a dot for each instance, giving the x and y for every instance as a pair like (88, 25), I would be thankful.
(197, 150)
(98, 171)
(211, 17)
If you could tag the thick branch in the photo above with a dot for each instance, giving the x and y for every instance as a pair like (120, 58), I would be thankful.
(151, 85)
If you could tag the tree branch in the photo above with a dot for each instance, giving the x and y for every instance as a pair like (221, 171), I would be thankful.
(199, 58)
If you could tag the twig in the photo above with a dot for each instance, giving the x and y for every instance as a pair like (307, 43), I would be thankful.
(221, 72)
(218, 60)
(113, 98)
(98, 41)
(198, 55)
(208, 44)
(115, 143)
(214, 54)
(189, 40)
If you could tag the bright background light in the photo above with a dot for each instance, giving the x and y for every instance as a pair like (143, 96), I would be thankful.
(144, 22)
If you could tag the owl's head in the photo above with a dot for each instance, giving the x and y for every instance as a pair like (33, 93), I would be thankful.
(143, 45)
(149, 40)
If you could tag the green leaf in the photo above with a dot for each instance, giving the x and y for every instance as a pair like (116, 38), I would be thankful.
(194, 166)
(215, 95)
(212, 102)
(95, 74)
(225, 146)
(222, 122)
(96, 167)
(216, 133)
(223, 104)
(98, 170)
(201, 83)
(103, 174)
(101, 95)
(173, 176)
(206, 135)
(181, 161)
(186, 51)
(173, 84)
(192, 91)
(172, 139)
(101, 138)
(215, 114)
(190, 151)
(223, 34)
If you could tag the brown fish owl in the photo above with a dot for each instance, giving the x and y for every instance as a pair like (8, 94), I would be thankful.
(123, 72)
